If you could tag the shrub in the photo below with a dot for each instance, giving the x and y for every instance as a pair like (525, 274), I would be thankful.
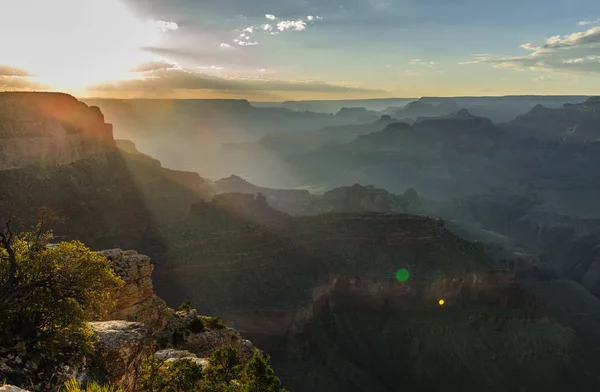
(197, 325)
(186, 305)
(224, 366)
(225, 373)
(183, 375)
(258, 376)
(48, 293)
(74, 386)
(215, 323)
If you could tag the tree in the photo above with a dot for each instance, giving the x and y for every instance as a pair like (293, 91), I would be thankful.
(48, 292)
(183, 375)
(224, 365)
(258, 376)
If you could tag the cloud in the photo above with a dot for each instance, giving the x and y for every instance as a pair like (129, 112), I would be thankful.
(181, 79)
(244, 37)
(543, 78)
(422, 63)
(573, 53)
(241, 42)
(153, 66)
(14, 78)
(163, 26)
(297, 25)
(8, 70)
(224, 45)
(20, 83)
(589, 22)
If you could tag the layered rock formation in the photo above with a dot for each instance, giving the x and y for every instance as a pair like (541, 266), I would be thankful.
(46, 129)
(136, 301)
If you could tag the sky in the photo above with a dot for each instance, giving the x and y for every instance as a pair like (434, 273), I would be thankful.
(274, 50)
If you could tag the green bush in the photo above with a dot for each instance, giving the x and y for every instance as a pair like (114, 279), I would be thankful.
(48, 293)
(183, 375)
(258, 376)
(215, 323)
(225, 373)
(186, 305)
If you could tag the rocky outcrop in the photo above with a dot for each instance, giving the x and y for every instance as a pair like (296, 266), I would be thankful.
(119, 353)
(358, 198)
(171, 355)
(47, 129)
(136, 301)
(186, 331)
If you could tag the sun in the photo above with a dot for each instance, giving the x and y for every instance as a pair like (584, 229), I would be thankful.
(71, 44)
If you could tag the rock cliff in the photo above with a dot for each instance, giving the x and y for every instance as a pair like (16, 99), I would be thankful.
(46, 129)
(136, 301)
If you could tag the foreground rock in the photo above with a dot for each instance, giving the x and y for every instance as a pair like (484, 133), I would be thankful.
(11, 388)
(119, 352)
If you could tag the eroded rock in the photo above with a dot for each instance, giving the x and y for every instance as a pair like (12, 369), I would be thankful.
(136, 301)
(119, 352)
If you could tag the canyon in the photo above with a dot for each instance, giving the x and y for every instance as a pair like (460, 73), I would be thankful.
(318, 291)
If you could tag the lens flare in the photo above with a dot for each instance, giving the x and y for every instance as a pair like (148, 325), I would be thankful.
(402, 275)
(441, 302)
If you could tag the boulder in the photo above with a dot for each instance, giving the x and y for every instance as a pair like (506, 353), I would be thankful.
(119, 353)
(171, 355)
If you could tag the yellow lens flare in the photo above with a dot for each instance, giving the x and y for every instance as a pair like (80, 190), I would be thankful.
(441, 302)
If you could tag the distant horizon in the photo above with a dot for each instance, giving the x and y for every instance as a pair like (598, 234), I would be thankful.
(340, 99)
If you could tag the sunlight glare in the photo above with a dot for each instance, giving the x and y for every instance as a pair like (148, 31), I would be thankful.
(70, 44)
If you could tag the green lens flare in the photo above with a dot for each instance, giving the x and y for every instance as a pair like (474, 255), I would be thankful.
(402, 275)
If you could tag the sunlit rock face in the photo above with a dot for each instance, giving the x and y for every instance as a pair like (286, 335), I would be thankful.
(48, 129)
(136, 301)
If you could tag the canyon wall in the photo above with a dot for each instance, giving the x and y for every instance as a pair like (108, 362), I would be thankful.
(48, 129)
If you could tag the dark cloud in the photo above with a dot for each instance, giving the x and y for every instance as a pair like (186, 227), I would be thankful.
(178, 79)
(9, 70)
